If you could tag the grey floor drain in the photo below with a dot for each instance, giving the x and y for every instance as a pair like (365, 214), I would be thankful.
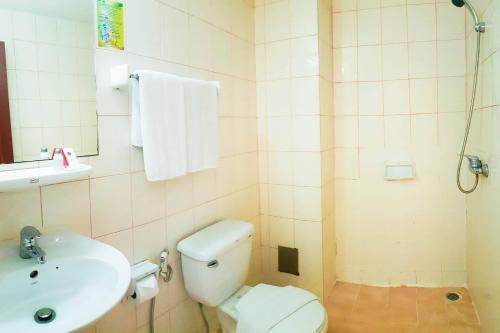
(453, 296)
(45, 315)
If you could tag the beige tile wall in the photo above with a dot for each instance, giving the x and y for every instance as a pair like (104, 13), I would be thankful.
(482, 208)
(204, 39)
(293, 95)
(399, 95)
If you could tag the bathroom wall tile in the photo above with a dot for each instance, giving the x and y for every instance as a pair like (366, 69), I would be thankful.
(148, 199)
(179, 194)
(307, 167)
(397, 131)
(371, 132)
(450, 22)
(369, 27)
(114, 147)
(110, 216)
(421, 22)
(179, 226)
(424, 130)
(396, 97)
(369, 63)
(306, 133)
(305, 96)
(345, 29)
(280, 200)
(20, 209)
(448, 63)
(281, 168)
(345, 62)
(187, 318)
(367, 4)
(123, 241)
(370, 98)
(307, 203)
(279, 14)
(175, 35)
(200, 39)
(303, 18)
(343, 5)
(346, 132)
(280, 133)
(423, 61)
(281, 232)
(121, 318)
(394, 61)
(278, 61)
(394, 25)
(449, 91)
(109, 101)
(346, 98)
(149, 240)
(304, 56)
(423, 96)
(67, 207)
(278, 98)
(137, 28)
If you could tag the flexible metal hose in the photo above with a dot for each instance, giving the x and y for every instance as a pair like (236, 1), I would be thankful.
(469, 121)
(205, 321)
(152, 316)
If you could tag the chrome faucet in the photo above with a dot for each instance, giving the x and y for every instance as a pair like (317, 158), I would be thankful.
(28, 247)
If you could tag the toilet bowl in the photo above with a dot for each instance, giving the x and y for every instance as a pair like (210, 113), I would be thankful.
(311, 318)
(215, 263)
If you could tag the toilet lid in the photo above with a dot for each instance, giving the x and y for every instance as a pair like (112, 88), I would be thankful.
(310, 318)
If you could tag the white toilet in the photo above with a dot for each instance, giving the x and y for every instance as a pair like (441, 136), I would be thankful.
(215, 264)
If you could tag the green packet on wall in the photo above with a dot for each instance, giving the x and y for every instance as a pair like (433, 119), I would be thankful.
(110, 24)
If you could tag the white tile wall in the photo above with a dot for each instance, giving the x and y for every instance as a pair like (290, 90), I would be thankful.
(398, 95)
(482, 225)
(116, 204)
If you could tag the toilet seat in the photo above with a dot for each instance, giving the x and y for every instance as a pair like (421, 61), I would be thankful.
(311, 318)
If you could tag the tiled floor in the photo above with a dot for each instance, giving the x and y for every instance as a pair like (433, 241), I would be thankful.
(361, 309)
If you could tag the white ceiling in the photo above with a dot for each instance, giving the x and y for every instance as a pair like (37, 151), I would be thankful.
(80, 10)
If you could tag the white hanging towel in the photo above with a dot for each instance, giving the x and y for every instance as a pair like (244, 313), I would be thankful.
(200, 101)
(265, 306)
(159, 124)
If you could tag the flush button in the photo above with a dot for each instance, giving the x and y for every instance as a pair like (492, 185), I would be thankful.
(213, 264)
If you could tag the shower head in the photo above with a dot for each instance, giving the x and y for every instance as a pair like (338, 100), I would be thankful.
(478, 25)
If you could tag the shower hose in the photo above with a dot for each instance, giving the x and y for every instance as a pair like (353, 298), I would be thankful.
(469, 121)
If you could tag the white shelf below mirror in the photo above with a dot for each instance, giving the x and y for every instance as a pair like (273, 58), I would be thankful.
(17, 180)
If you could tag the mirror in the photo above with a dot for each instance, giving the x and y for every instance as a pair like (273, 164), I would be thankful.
(47, 78)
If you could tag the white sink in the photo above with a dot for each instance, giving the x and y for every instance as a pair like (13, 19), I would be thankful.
(81, 280)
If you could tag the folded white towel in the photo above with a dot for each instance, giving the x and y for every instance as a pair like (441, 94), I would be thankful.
(200, 102)
(265, 306)
(159, 124)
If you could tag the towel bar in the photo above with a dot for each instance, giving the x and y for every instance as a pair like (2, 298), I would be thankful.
(136, 76)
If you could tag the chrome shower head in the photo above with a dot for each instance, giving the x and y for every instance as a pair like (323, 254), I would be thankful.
(478, 25)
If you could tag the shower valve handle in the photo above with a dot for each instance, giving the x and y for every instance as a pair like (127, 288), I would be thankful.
(476, 166)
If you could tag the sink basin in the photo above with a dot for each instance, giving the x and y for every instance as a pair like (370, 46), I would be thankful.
(81, 280)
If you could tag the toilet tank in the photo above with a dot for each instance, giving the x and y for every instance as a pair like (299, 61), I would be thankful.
(215, 260)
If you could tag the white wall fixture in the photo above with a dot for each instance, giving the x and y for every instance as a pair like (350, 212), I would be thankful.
(399, 170)
(16, 180)
(119, 76)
